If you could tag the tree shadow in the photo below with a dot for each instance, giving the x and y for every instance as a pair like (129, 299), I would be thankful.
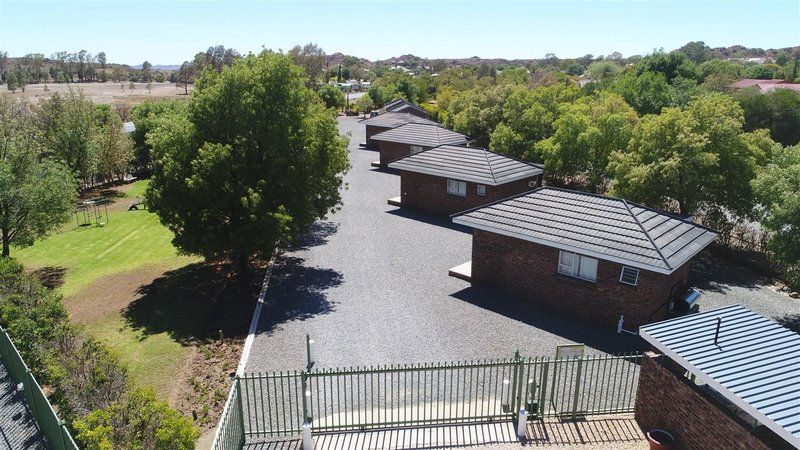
(297, 292)
(430, 219)
(602, 338)
(714, 274)
(790, 321)
(318, 234)
(196, 302)
(51, 276)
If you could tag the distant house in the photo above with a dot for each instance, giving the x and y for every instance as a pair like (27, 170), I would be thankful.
(449, 178)
(404, 106)
(413, 138)
(593, 257)
(765, 85)
(387, 121)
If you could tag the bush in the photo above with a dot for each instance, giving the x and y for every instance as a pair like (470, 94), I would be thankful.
(332, 96)
(138, 421)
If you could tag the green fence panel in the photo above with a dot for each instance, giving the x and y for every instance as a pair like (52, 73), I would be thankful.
(46, 418)
(230, 431)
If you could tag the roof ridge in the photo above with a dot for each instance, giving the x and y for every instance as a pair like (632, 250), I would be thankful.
(652, 242)
(489, 164)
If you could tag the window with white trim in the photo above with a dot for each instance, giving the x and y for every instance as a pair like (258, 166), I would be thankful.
(576, 265)
(629, 275)
(416, 149)
(457, 188)
(481, 190)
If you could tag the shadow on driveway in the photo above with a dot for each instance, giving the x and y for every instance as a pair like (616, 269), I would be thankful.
(301, 290)
(604, 339)
(712, 274)
(317, 235)
(430, 219)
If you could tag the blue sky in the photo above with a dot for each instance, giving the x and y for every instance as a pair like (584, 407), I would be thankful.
(170, 32)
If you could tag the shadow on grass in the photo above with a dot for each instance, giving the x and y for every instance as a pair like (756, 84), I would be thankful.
(51, 276)
(602, 338)
(297, 292)
(196, 302)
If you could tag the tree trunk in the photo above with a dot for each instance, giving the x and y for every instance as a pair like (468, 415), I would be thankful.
(6, 244)
(241, 263)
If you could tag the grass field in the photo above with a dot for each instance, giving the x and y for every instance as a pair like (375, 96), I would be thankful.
(104, 270)
(111, 93)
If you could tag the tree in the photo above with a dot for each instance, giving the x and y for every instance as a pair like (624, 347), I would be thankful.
(145, 116)
(777, 188)
(254, 161)
(139, 421)
(11, 82)
(312, 59)
(586, 133)
(146, 71)
(101, 58)
(185, 76)
(114, 149)
(696, 51)
(648, 92)
(65, 127)
(36, 194)
(691, 159)
(364, 104)
(777, 110)
(332, 96)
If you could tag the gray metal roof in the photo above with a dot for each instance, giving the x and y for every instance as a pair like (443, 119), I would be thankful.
(421, 134)
(395, 119)
(603, 227)
(755, 363)
(467, 163)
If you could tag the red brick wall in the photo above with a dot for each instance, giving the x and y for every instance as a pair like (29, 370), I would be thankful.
(372, 130)
(429, 193)
(393, 150)
(530, 271)
(669, 401)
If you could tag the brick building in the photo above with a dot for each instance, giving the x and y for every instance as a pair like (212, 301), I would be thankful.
(449, 178)
(727, 378)
(413, 138)
(593, 257)
(386, 122)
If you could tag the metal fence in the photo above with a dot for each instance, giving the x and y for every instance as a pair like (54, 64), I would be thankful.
(51, 426)
(277, 404)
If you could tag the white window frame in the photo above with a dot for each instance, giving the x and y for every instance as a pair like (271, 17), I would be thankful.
(622, 272)
(457, 188)
(481, 190)
(573, 268)
(416, 149)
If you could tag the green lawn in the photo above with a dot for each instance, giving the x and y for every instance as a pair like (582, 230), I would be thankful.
(131, 240)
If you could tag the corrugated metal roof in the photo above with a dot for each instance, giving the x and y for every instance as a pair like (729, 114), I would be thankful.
(595, 225)
(421, 134)
(468, 164)
(755, 363)
(395, 119)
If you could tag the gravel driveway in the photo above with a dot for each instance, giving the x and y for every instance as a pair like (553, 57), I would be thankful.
(370, 285)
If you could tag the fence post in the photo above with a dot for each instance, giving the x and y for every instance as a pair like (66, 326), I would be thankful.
(543, 390)
(239, 407)
(310, 356)
(519, 372)
(306, 397)
(577, 387)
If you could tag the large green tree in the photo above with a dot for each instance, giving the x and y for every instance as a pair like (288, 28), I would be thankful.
(586, 133)
(36, 194)
(692, 158)
(777, 189)
(257, 159)
(777, 110)
(332, 96)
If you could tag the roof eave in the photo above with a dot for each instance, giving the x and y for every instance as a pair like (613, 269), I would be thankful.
(457, 176)
(631, 263)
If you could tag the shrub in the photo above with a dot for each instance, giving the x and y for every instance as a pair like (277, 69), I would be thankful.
(139, 421)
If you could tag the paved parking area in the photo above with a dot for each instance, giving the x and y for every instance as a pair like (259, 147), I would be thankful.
(370, 285)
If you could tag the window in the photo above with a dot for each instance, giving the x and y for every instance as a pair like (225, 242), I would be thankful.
(629, 275)
(458, 188)
(481, 190)
(578, 266)
(415, 149)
